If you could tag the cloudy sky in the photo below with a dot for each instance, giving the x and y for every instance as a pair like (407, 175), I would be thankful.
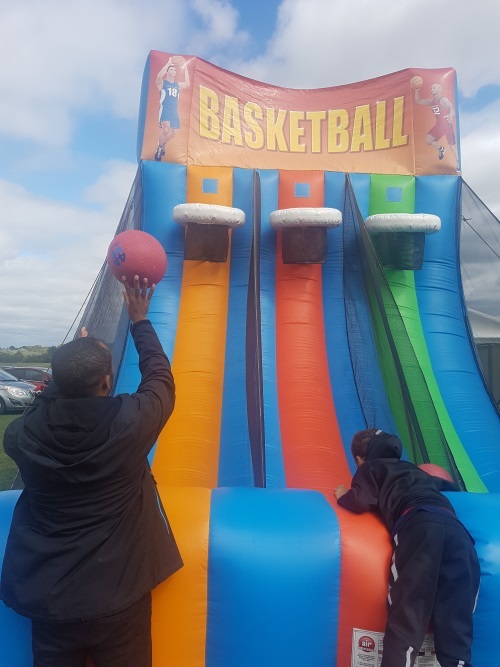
(70, 85)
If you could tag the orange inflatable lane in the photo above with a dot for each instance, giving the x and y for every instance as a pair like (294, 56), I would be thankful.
(366, 554)
(186, 458)
(313, 453)
(180, 603)
(187, 452)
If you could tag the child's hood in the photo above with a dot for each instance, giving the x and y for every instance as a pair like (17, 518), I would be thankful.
(384, 446)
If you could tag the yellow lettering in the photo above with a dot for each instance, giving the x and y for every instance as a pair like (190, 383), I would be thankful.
(381, 141)
(275, 134)
(368, 130)
(296, 132)
(338, 136)
(362, 130)
(398, 138)
(209, 108)
(316, 118)
(231, 124)
(255, 138)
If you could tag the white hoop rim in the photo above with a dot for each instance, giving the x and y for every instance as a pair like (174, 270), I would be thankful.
(403, 222)
(208, 214)
(305, 217)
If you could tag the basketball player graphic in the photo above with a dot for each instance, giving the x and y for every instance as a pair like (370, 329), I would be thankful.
(444, 113)
(169, 90)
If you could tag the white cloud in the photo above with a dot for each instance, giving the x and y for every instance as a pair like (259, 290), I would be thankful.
(219, 33)
(68, 57)
(66, 60)
(109, 188)
(51, 253)
(221, 20)
(329, 42)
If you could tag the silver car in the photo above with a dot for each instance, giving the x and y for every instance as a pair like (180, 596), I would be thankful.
(15, 396)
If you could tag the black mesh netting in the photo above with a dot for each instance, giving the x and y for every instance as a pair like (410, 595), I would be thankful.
(480, 271)
(104, 315)
(367, 293)
(479, 254)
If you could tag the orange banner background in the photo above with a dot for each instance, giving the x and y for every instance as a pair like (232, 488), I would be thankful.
(374, 126)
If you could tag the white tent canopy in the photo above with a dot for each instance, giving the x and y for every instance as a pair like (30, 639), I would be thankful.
(485, 328)
(486, 332)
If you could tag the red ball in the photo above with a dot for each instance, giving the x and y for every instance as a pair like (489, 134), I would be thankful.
(436, 471)
(136, 253)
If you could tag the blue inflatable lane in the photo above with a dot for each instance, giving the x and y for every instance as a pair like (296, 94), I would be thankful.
(13, 653)
(274, 578)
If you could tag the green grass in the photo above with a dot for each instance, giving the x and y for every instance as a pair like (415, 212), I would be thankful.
(8, 469)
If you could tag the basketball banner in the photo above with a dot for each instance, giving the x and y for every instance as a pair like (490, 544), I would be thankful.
(196, 113)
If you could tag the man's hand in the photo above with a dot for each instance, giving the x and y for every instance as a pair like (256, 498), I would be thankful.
(137, 298)
(340, 491)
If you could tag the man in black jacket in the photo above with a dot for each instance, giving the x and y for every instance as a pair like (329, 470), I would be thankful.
(434, 574)
(89, 538)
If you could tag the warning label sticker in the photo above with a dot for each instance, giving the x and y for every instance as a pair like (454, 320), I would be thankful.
(367, 648)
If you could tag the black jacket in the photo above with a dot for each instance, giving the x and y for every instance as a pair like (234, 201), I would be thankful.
(388, 486)
(89, 536)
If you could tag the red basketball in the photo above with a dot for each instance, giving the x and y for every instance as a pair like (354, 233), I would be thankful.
(135, 253)
(436, 471)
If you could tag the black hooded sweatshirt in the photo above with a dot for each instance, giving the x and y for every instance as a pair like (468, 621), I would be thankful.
(392, 488)
(89, 536)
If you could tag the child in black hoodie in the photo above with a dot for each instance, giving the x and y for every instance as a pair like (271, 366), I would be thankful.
(434, 574)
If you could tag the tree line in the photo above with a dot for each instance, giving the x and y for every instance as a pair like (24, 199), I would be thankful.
(30, 354)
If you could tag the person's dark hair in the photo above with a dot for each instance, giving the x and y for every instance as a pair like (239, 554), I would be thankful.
(79, 366)
(361, 441)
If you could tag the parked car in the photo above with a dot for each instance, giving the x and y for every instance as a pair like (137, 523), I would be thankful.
(15, 396)
(38, 376)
